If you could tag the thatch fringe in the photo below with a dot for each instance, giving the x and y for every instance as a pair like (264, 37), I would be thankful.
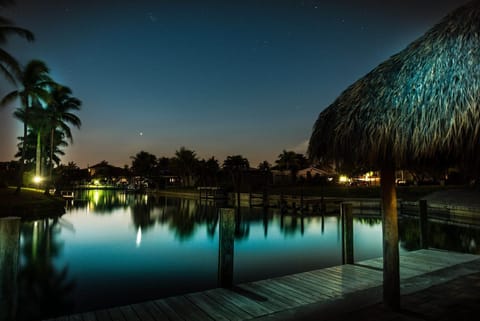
(419, 106)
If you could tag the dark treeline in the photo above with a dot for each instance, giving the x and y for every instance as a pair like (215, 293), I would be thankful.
(186, 169)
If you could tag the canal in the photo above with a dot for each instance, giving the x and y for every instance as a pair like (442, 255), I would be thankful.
(112, 248)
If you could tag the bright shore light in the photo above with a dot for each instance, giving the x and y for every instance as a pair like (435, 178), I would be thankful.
(343, 179)
(37, 179)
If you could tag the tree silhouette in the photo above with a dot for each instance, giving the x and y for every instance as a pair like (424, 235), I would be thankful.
(236, 165)
(185, 163)
(35, 80)
(144, 164)
(9, 66)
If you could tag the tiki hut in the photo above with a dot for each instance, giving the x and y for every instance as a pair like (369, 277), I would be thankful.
(421, 106)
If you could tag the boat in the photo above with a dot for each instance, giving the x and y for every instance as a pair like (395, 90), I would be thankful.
(67, 194)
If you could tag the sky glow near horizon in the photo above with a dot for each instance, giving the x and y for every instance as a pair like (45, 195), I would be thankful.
(218, 77)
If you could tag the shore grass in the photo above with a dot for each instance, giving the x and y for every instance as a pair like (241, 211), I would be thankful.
(29, 203)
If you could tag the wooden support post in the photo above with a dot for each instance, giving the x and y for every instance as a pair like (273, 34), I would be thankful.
(347, 233)
(9, 247)
(391, 264)
(226, 247)
(250, 199)
(423, 218)
(323, 224)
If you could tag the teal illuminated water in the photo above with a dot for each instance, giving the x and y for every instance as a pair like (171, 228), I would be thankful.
(112, 249)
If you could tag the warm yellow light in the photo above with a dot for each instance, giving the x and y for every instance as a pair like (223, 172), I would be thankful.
(343, 179)
(37, 179)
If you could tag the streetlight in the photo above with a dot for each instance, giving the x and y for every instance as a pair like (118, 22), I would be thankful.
(37, 180)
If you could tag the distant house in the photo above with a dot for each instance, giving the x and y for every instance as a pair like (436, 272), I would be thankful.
(105, 173)
(280, 177)
(311, 172)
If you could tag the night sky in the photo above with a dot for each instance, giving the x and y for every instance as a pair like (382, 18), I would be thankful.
(219, 77)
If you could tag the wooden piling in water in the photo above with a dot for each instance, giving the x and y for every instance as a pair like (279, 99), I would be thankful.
(423, 219)
(226, 247)
(9, 247)
(347, 233)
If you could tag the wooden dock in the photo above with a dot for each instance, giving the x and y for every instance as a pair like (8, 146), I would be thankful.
(267, 297)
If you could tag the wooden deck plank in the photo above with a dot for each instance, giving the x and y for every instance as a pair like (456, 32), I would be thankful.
(75, 317)
(102, 315)
(129, 314)
(260, 298)
(213, 309)
(420, 265)
(287, 285)
(167, 310)
(246, 304)
(89, 316)
(154, 310)
(116, 314)
(275, 298)
(305, 285)
(186, 309)
(372, 275)
(143, 313)
(316, 285)
(375, 263)
(221, 300)
(444, 257)
(348, 276)
(280, 286)
(331, 279)
(273, 291)
(328, 287)
(329, 283)
(338, 281)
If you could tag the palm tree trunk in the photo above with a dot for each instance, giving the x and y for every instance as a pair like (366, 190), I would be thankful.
(24, 148)
(38, 156)
(391, 269)
(51, 155)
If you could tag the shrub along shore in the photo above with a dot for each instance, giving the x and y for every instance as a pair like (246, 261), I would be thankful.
(29, 204)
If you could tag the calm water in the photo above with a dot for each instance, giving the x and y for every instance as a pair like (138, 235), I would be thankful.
(112, 249)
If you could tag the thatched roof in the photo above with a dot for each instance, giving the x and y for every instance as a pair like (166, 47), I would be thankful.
(421, 105)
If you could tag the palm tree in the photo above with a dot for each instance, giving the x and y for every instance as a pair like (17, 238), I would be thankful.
(143, 164)
(264, 167)
(59, 116)
(185, 162)
(38, 126)
(208, 171)
(291, 161)
(30, 153)
(35, 80)
(9, 66)
(236, 166)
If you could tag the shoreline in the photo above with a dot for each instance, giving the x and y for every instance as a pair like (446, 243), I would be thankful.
(30, 204)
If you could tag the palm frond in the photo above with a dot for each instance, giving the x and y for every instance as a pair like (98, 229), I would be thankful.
(419, 106)
(9, 30)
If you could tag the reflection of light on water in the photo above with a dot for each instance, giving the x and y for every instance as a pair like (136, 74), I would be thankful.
(34, 240)
(139, 237)
(96, 197)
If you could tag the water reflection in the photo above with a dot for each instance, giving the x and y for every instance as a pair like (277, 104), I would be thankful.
(441, 235)
(44, 289)
(114, 248)
(9, 248)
